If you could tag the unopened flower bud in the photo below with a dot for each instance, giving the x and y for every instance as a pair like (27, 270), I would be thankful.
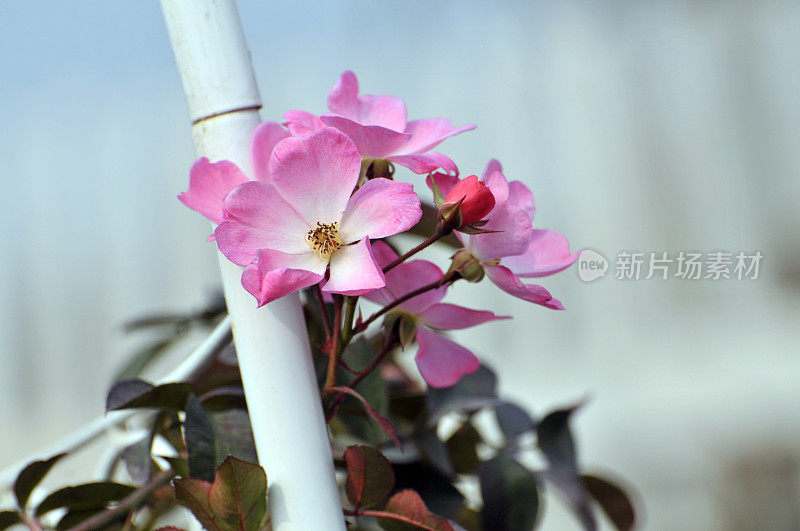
(476, 199)
(467, 266)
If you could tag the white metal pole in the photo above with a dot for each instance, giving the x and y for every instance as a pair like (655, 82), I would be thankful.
(271, 342)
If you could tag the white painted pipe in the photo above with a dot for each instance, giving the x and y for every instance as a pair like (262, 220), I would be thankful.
(271, 342)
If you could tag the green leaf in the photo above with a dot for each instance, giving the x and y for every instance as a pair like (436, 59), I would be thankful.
(31, 476)
(474, 391)
(438, 196)
(239, 495)
(143, 357)
(129, 394)
(9, 518)
(555, 440)
(613, 500)
(472, 229)
(75, 517)
(462, 448)
(412, 513)
(359, 354)
(385, 425)
(193, 493)
(435, 488)
(234, 436)
(137, 460)
(432, 449)
(370, 478)
(199, 436)
(87, 496)
(513, 421)
(224, 399)
(151, 321)
(407, 330)
(179, 465)
(510, 495)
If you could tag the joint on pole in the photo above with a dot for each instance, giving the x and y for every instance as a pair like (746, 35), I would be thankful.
(256, 107)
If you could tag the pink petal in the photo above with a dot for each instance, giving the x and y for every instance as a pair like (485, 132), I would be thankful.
(302, 123)
(425, 162)
(497, 183)
(259, 218)
(405, 278)
(445, 316)
(354, 271)
(429, 133)
(316, 175)
(383, 253)
(209, 184)
(548, 253)
(277, 274)
(372, 141)
(379, 209)
(520, 196)
(442, 362)
(514, 234)
(264, 139)
(510, 283)
(386, 111)
(444, 181)
(493, 166)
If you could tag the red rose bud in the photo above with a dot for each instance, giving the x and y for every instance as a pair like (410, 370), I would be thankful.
(477, 202)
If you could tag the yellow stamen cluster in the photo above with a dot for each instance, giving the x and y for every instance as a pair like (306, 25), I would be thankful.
(324, 239)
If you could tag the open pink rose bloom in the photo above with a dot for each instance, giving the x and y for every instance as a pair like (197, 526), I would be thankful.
(441, 361)
(379, 127)
(310, 215)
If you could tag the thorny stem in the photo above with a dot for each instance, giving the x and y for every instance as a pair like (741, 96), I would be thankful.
(389, 342)
(451, 276)
(131, 501)
(326, 323)
(330, 378)
(399, 260)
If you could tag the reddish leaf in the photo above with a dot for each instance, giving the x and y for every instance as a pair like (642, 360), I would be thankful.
(194, 495)
(237, 500)
(406, 510)
(385, 425)
(239, 494)
(369, 476)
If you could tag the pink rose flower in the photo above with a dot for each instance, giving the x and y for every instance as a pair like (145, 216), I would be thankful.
(516, 250)
(211, 182)
(288, 231)
(441, 362)
(378, 126)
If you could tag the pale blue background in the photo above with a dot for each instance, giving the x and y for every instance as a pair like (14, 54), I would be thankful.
(650, 126)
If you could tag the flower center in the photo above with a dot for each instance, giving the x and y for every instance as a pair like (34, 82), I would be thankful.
(324, 239)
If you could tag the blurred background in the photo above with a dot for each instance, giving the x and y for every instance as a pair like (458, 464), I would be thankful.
(640, 126)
